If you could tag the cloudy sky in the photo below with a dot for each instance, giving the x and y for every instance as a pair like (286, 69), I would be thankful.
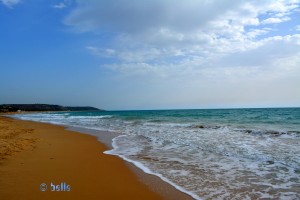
(151, 54)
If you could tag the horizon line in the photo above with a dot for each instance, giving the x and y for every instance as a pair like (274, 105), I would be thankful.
(280, 107)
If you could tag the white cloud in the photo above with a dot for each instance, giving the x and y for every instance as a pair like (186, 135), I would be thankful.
(179, 24)
(101, 52)
(197, 46)
(272, 58)
(10, 3)
(253, 33)
(220, 31)
(273, 20)
(63, 4)
(60, 5)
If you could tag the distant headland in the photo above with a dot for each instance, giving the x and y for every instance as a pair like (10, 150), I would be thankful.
(44, 107)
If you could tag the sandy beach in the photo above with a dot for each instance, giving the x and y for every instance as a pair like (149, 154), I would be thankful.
(35, 153)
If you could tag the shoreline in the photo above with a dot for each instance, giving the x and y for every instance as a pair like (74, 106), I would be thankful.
(155, 182)
(145, 186)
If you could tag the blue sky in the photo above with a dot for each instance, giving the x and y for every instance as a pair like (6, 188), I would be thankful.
(157, 54)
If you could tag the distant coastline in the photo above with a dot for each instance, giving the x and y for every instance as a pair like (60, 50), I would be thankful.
(43, 107)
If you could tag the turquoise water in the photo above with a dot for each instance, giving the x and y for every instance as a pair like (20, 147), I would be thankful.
(278, 118)
(209, 154)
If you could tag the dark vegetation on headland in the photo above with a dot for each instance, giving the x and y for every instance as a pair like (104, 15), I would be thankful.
(44, 107)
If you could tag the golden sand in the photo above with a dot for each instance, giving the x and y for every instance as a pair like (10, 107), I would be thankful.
(35, 153)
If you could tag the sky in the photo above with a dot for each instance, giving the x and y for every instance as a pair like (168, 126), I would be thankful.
(150, 54)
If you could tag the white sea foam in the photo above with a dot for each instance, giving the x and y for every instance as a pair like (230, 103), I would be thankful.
(146, 169)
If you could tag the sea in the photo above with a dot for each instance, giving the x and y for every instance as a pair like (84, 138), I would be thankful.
(206, 153)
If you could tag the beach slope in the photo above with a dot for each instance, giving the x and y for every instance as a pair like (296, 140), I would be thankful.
(35, 153)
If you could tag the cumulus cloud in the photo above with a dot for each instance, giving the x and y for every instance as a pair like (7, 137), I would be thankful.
(182, 25)
(10, 3)
(191, 33)
(195, 43)
(162, 29)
